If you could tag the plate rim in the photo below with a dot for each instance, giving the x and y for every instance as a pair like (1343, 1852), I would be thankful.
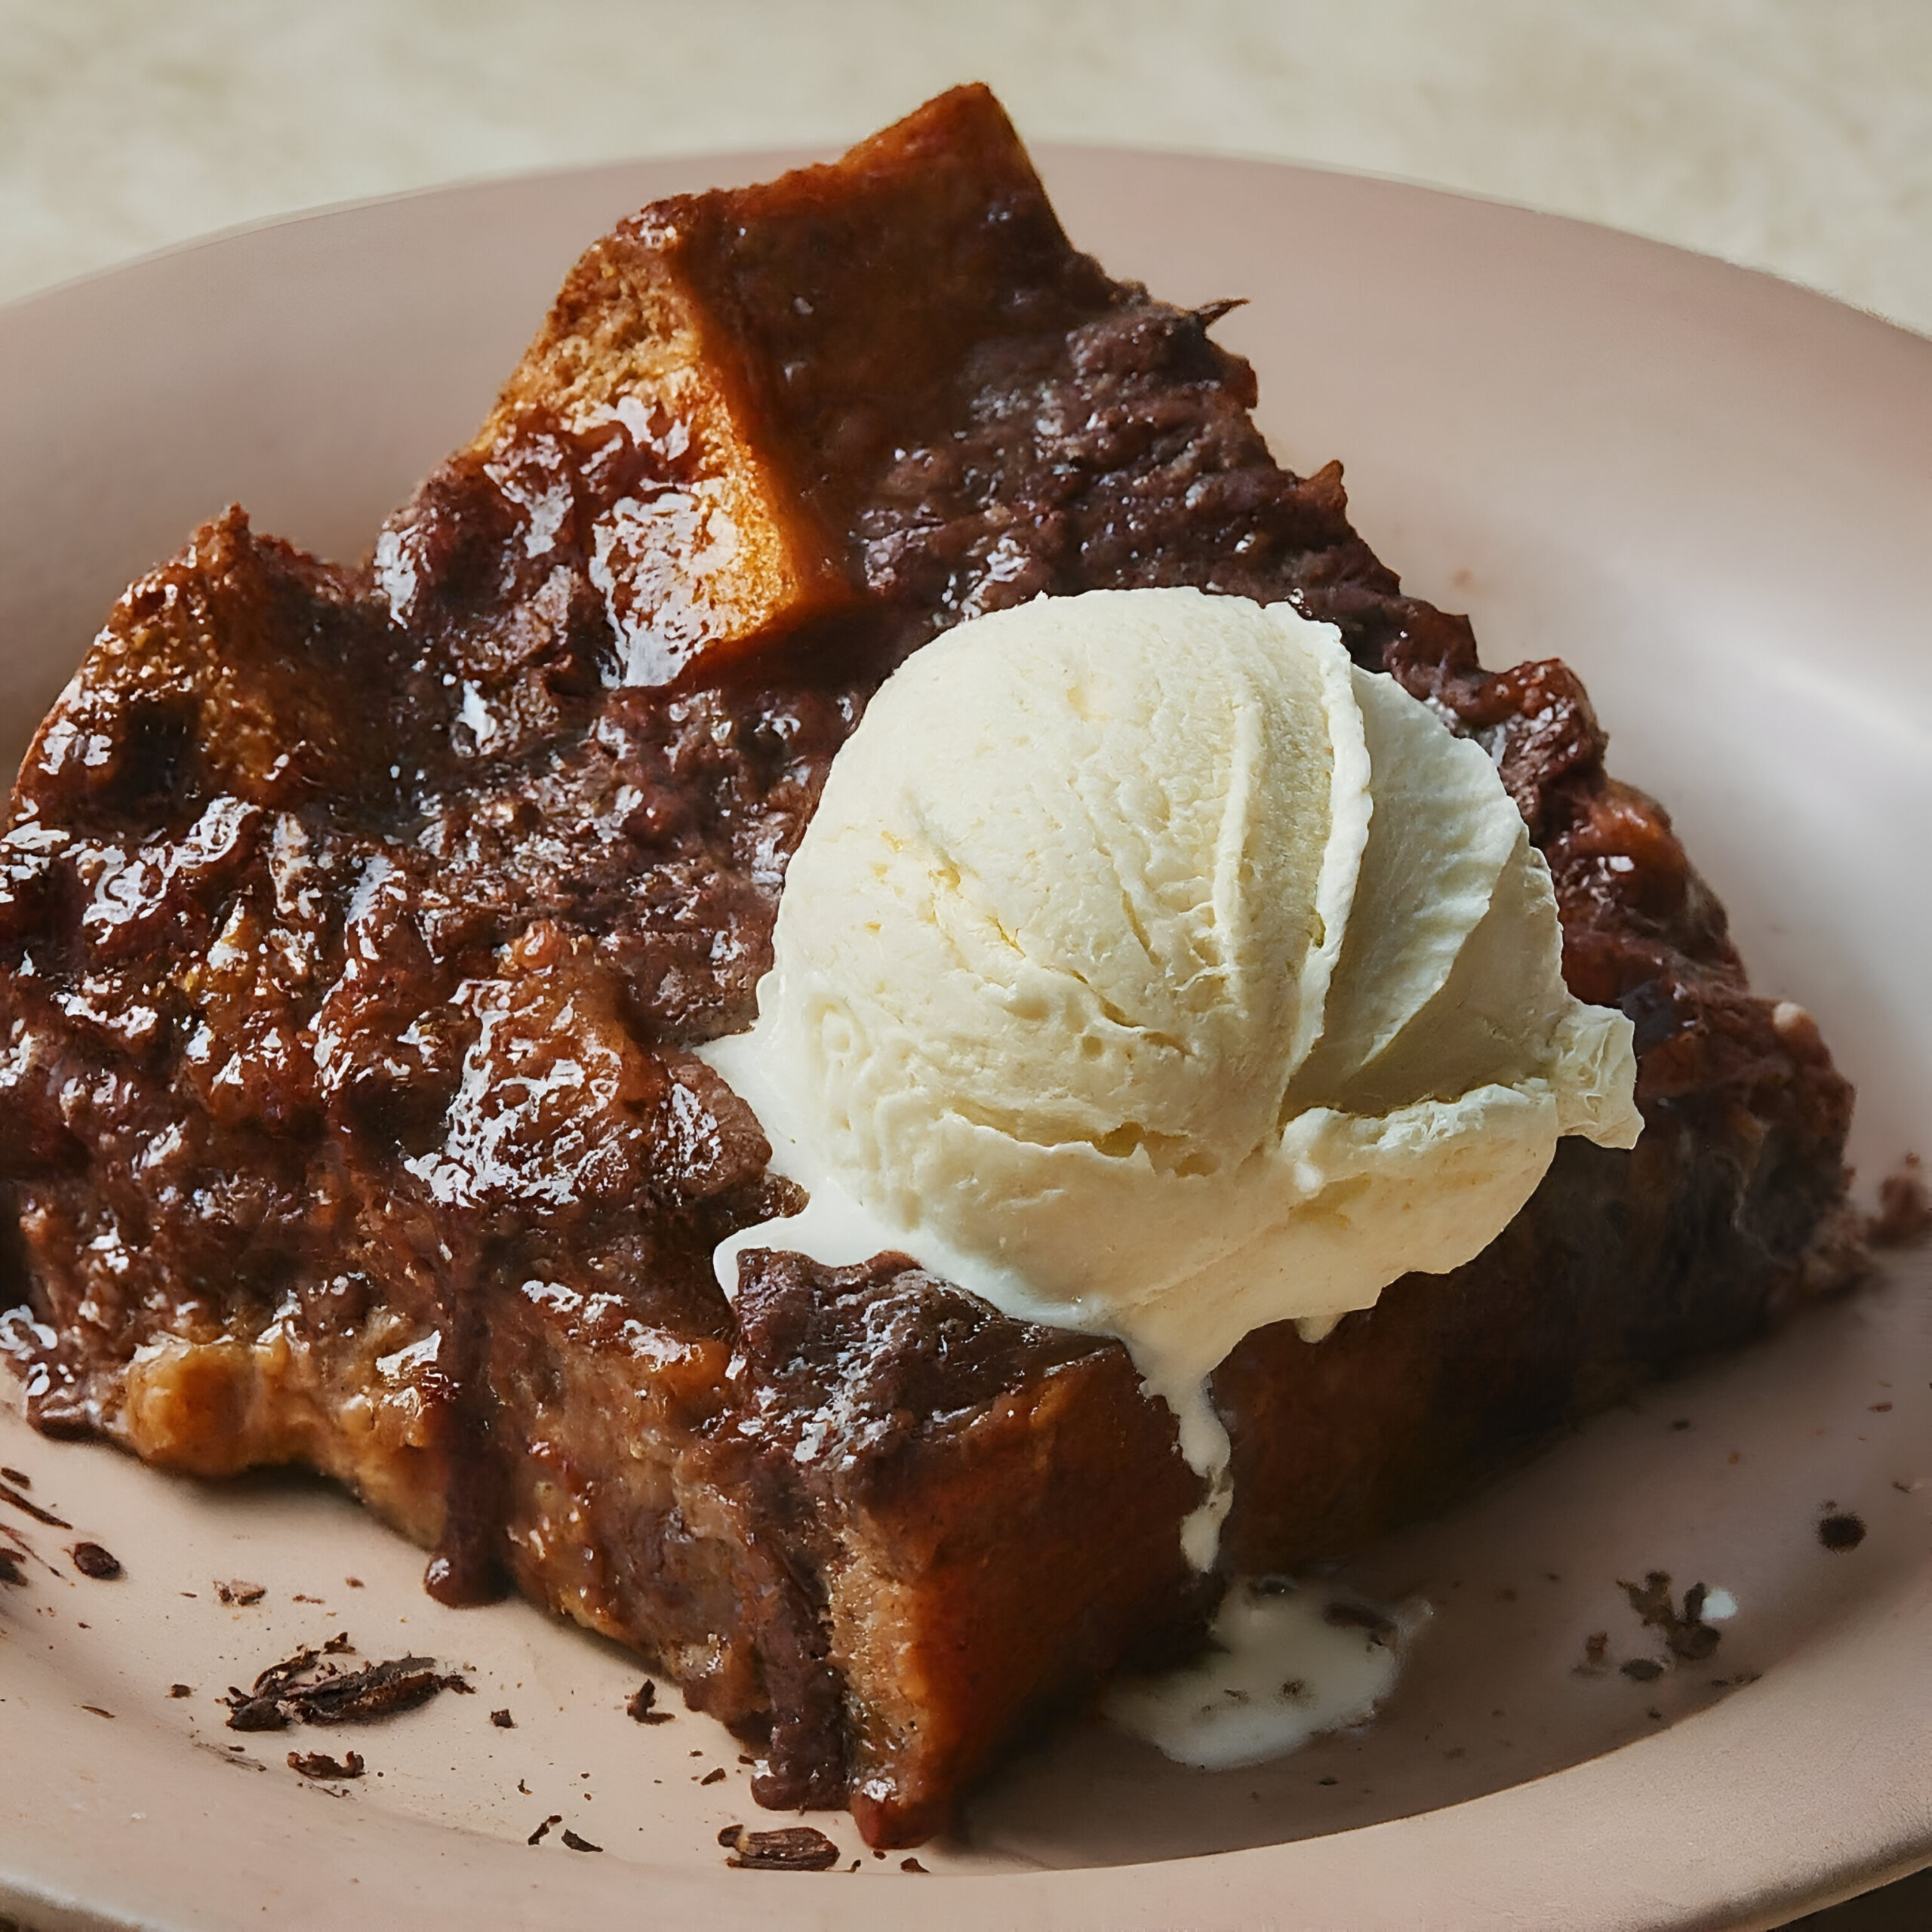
(1906, 1847)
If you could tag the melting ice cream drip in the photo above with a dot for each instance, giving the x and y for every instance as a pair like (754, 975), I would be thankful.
(1285, 1664)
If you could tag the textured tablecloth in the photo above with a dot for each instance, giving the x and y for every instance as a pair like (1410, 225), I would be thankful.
(1791, 135)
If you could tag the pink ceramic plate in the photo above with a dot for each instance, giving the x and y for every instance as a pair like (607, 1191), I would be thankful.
(1710, 492)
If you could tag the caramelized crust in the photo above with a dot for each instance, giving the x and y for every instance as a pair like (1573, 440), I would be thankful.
(356, 927)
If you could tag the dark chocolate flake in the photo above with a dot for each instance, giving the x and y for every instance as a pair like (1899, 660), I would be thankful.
(18, 1478)
(911, 1865)
(11, 1571)
(502, 1720)
(577, 1844)
(238, 1593)
(643, 1704)
(542, 1830)
(271, 1682)
(96, 1710)
(91, 1560)
(798, 1848)
(315, 1765)
(360, 1697)
(1841, 1530)
(301, 1688)
(1645, 1670)
(247, 1713)
(1687, 1633)
(713, 1777)
(180, 1691)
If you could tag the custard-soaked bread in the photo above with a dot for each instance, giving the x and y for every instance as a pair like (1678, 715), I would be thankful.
(359, 924)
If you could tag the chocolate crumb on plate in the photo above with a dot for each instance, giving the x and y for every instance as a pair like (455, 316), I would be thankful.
(537, 1836)
(643, 1706)
(1596, 1653)
(91, 1559)
(180, 1689)
(247, 1713)
(316, 1764)
(713, 1777)
(337, 1644)
(797, 1848)
(353, 1582)
(1645, 1670)
(502, 1720)
(239, 1594)
(1841, 1530)
(96, 1710)
(11, 1571)
(296, 1690)
(380, 1690)
(18, 1478)
(577, 1844)
(1687, 1633)
(910, 1865)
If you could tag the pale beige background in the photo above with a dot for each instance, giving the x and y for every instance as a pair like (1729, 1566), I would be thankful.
(1794, 135)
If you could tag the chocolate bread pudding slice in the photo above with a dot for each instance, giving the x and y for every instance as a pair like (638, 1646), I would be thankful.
(359, 925)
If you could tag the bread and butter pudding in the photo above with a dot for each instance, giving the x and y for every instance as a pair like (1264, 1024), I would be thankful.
(362, 927)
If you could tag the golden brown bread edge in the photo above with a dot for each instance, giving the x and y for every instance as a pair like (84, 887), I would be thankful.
(919, 1605)
(775, 342)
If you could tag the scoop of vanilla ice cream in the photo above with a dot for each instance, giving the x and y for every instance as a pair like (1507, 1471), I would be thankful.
(1151, 970)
